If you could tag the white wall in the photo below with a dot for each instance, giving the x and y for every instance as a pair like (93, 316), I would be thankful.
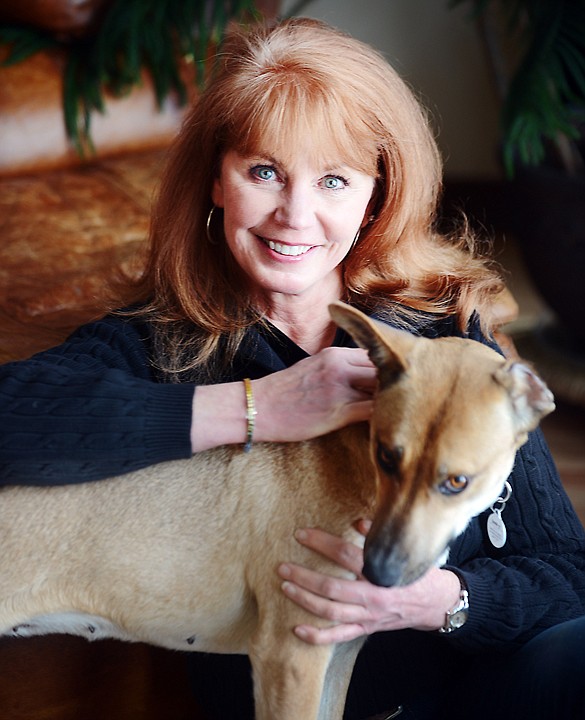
(438, 52)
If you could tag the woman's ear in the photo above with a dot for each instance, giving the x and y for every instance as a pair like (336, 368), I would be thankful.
(217, 192)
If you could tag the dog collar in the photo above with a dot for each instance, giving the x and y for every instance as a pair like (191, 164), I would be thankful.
(457, 616)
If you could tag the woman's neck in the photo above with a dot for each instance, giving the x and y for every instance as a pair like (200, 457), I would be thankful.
(311, 336)
(305, 318)
(306, 322)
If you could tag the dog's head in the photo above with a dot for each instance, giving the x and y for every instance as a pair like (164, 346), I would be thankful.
(448, 418)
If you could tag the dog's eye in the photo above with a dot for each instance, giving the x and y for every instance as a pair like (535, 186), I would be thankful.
(454, 484)
(389, 459)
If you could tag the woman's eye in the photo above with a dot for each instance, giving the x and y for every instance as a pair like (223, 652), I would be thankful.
(334, 182)
(263, 172)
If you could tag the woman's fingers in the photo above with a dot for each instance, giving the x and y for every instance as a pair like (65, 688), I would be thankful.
(329, 635)
(335, 600)
(364, 378)
(323, 595)
(346, 554)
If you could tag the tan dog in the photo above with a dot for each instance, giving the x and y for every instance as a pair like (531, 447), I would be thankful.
(184, 554)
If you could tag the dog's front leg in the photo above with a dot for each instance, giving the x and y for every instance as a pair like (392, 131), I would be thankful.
(294, 680)
(289, 679)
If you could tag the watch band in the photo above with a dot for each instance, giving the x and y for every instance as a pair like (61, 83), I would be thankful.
(457, 616)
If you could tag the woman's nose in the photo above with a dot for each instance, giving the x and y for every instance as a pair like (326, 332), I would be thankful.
(296, 208)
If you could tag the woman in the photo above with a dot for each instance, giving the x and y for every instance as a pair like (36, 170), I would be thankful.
(307, 173)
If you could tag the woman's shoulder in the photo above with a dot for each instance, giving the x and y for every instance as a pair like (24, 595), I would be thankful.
(116, 340)
(123, 325)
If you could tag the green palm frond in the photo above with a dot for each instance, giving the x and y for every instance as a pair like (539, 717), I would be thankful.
(156, 35)
(23, 42)
(545, 97)
(549, 84)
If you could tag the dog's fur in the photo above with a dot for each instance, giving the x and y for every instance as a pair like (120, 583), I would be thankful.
(184, 554)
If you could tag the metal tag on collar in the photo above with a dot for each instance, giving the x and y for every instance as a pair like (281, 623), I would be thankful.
(496, 527)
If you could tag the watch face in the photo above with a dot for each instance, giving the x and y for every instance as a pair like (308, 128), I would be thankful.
(458, 619)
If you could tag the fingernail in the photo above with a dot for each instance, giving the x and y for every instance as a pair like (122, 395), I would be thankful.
(288, 588)
(284, 571)
(301, 535)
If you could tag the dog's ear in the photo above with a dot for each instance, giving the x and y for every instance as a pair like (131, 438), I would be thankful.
(530, 397)
(387, 347)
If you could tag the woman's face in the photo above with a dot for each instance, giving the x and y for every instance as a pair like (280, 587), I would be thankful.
(290, 223)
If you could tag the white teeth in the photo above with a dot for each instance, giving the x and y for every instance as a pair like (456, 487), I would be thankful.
(288, 249)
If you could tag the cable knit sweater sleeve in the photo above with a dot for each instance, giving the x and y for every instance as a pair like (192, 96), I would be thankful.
(88, 409)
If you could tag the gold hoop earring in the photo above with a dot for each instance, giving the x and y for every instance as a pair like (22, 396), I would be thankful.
(210, 239)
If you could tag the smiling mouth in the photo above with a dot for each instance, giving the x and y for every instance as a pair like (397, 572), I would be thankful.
(289, 250)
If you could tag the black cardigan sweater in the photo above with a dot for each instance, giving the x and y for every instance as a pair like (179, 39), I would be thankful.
(95, 407)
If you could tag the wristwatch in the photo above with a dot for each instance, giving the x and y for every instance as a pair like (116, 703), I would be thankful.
(457, 616)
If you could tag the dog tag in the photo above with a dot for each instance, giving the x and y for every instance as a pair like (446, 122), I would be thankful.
(496, 529)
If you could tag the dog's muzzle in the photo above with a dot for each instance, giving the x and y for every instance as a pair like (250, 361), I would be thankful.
(389, 566)
(381, 568)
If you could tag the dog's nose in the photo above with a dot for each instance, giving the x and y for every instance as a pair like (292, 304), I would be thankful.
(379, 569)
(389, 565)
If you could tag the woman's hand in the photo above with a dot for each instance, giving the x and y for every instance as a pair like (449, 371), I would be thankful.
(356, 606)
(317, 395)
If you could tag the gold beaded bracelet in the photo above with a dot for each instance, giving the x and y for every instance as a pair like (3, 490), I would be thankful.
(251, 413)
